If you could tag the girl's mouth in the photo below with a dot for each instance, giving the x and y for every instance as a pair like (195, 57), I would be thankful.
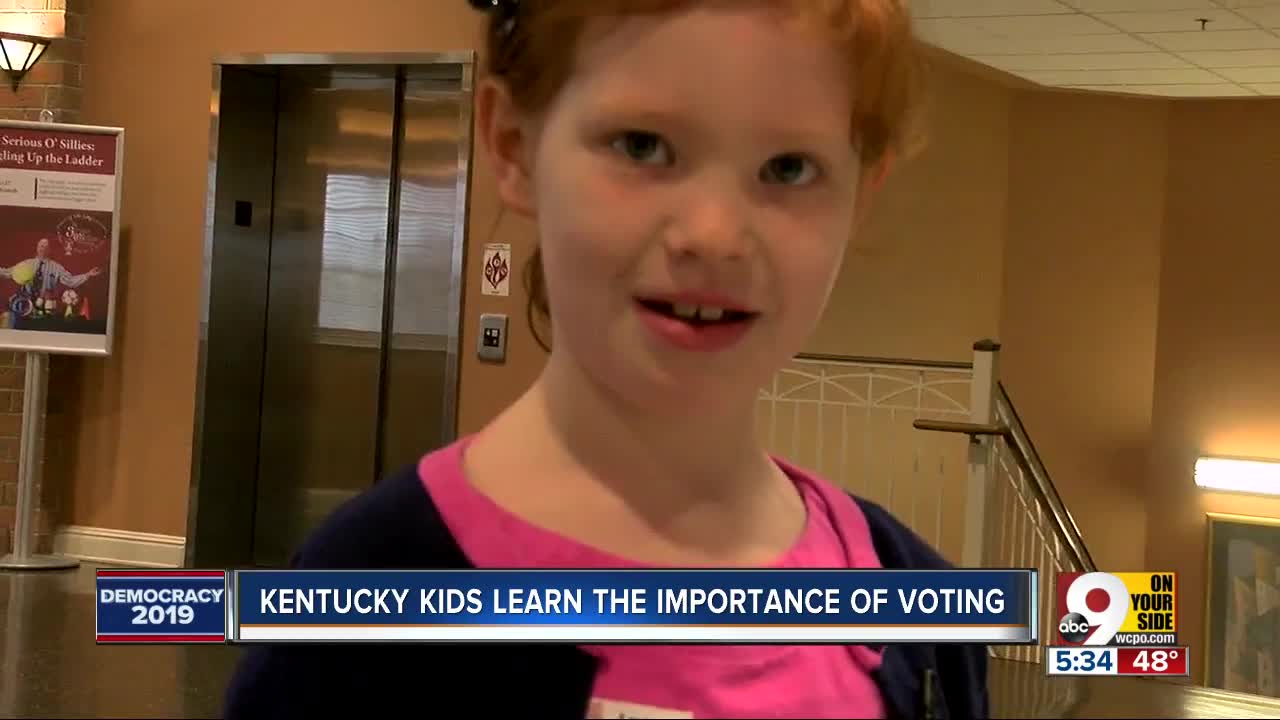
(697, 315)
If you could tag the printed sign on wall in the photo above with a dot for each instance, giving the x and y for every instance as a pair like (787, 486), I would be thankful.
(497, 270)
(59, 236)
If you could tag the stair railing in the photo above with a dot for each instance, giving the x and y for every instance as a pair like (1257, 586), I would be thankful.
(856, 421)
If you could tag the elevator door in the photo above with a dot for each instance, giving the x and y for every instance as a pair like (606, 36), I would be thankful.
(329, 351)
(326, 284)
(356, 363)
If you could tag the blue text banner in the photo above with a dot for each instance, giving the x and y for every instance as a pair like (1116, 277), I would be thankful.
(636, 606)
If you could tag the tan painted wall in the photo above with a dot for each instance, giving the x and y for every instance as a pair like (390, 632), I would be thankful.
(1086, 204)
(922, 280)
(1217, 375)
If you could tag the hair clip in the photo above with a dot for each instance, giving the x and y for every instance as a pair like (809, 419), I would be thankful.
(506, 10)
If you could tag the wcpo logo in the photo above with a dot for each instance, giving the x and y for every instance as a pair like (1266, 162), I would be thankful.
(1101, 608)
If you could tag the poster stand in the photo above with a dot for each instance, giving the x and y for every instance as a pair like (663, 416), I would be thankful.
(29, 461)
(63, 153)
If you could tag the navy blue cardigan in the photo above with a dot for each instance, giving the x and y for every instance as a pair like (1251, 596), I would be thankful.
(395, 525)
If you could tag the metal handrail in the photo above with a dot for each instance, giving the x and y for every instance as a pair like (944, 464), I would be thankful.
(886, 362)
(1020, 441)
(971, 429)
(1024, 452)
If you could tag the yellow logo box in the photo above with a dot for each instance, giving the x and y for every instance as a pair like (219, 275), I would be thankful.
(1153, 602)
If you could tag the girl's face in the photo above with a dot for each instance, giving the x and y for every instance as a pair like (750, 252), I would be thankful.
(694, 186)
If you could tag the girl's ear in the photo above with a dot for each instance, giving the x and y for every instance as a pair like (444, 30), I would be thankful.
(872, 181)
(506, 142)
(880, 173)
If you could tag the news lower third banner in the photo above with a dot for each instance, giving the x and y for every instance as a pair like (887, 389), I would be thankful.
(570, 606)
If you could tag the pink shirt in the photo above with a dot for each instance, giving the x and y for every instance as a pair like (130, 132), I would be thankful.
(716, 681)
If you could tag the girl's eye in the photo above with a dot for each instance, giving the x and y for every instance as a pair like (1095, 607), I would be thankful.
(789, 170)
(643, 147)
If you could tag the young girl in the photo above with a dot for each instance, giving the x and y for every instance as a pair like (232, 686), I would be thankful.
(696, 170)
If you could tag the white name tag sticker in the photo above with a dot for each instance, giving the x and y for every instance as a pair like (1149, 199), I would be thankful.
(616, 710)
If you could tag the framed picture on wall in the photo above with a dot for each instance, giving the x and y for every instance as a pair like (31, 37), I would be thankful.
(1242, 638)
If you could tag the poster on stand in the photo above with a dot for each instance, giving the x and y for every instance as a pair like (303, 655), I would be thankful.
(59, 236)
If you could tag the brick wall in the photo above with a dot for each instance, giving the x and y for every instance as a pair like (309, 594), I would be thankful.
(54, 84)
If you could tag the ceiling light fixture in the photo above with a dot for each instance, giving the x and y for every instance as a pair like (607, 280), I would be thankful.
(1259, 477)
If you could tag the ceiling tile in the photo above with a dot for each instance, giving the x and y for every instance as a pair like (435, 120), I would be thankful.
(1265, 15)
(1042, 25)
(1096, 6)
(1206, 90)
(1265, 88)
(1151, 47)
(1094, 61)
(1233, 58)
(980, 8)
(1174, 20)
(1214, 40)
(1121, 77)
(940, 28)
(973, 42)
(1251, 75)
(1080, 44)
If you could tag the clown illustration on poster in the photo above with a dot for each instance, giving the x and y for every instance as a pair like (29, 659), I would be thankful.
(59, 231)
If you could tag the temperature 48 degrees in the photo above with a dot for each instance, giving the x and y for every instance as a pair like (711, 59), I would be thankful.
(1158, 662)
(163, 614)
(1152, 661)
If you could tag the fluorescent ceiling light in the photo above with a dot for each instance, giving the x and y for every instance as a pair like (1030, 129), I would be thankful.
(1261, 477)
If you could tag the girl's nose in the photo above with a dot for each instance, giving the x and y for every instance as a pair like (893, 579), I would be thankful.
(715, 224)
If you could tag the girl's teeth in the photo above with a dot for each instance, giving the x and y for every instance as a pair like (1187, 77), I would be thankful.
(711, 314)
(687, 312)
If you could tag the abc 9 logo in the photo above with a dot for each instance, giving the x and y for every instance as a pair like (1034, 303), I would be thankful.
(1096, 601)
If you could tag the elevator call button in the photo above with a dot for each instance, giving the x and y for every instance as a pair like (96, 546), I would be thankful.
(493, 338)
